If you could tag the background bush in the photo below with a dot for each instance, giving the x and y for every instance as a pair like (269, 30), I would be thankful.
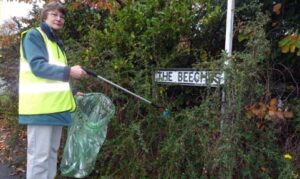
(126, 44)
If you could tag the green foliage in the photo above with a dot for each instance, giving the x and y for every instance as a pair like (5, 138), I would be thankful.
(198, 140)
(258, 151)
(8, 115)
(193, 142)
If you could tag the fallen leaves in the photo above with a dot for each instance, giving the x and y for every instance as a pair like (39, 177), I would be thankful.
(17, 170)
(3, 147)
(12, 151)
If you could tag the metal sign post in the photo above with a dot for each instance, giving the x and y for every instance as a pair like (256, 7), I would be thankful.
(228, 49)
(229, 27)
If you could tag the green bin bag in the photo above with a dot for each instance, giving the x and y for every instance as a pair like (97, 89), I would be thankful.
(86, 134)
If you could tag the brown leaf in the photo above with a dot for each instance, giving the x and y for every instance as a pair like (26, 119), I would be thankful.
(279, 115)
(272, 115)
(277, 8)
(76, 5)
(259, 110)
(273, 104)
(260, 125)
(288, 115)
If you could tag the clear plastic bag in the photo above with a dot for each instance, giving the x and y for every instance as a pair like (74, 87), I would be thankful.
(86, 134)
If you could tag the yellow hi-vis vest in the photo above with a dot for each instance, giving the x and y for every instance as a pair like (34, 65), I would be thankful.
(39, 95)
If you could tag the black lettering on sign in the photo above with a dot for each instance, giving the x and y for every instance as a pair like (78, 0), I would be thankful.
(217, 79)
(185, 76)
(179, 76)
(203, 77)
(159, 75)
(191, 77)
(165, 76)
(170, 76)
(197, 77)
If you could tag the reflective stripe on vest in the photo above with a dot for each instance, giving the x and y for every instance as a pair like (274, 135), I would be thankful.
(39, 95)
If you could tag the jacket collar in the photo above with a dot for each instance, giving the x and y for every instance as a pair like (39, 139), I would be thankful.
(50, 34)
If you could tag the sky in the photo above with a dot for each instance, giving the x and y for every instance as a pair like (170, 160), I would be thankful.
(11, 9)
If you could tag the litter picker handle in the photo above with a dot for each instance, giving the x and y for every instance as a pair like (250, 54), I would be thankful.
(89, 72)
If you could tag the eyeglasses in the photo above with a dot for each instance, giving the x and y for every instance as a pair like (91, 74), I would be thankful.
(57, 15)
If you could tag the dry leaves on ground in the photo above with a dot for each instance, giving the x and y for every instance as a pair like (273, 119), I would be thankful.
(12, 149)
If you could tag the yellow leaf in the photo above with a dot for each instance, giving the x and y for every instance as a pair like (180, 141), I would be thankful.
(287, 156)
(292, 48)
(264, 169)
(285, 49)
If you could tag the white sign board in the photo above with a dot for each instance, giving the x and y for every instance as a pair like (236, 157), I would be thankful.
(189, 77)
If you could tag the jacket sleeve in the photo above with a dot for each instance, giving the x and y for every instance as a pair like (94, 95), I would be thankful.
(36, 55)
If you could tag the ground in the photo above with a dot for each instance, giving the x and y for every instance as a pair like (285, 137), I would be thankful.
(12, 152)
(13, 142)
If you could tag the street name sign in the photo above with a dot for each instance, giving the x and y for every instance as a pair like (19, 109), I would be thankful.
(190, 77)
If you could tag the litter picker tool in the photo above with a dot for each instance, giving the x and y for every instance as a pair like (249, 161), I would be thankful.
(164, 110)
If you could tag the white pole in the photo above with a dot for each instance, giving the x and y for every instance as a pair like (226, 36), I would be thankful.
(229, 26)
(228, 49)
